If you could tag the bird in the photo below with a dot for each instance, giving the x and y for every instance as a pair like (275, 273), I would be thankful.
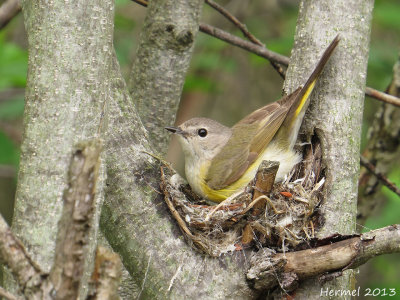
(220, 161)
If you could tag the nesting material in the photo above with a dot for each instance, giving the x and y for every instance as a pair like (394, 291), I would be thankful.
(280, 219)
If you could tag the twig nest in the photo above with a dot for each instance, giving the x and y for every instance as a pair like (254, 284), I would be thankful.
(279, 220)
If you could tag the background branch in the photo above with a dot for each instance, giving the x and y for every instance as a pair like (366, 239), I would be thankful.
(166, 44)
(382, 149)
(8, 10)
(242, 27)
(256, 47)
(382, 178)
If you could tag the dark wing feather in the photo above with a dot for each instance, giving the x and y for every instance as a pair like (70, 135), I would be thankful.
(271, 122)
(249, 138)
(233, 159)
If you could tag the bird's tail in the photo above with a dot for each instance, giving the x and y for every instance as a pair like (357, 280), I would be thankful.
(291, 125)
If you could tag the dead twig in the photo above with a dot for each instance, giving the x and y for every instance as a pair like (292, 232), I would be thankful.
(106, 275)
(13, 255)
(76, 220)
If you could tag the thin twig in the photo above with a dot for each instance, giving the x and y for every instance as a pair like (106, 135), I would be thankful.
(246, 45)
(382, 96)
(7, 295)
(235, 21)
(8, 10)
(243, 28)
(273, 57)
(385, 181)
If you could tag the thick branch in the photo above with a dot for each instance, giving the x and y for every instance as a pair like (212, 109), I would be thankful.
(335, 113)
(267, 270)
(138, 226)
(70, 46)
(162, 59)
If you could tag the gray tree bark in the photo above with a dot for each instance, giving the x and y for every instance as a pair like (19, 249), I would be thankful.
(134, 217)
(335, 113)
(162, 59)
(70, 50)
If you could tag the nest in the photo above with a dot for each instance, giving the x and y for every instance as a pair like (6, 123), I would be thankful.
(278, 216)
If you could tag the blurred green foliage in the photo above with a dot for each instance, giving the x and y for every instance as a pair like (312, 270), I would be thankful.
(232, 81)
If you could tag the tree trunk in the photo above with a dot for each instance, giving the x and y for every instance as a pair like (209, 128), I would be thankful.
(162, 59)
(335, 113)
(134, 217)
(70, 50)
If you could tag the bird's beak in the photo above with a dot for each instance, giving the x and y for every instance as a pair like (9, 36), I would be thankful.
(176, 130)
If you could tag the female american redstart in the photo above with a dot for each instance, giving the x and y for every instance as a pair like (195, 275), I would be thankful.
(220, 161)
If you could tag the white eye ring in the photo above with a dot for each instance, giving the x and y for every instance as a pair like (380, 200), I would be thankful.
(202, 132)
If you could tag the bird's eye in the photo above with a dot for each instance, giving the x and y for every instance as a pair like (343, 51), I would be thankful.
(202, 132)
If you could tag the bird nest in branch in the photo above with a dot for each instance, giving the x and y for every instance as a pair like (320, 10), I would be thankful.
(278, 216)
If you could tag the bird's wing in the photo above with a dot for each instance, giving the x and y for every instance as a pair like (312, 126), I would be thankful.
(271, 118)
(233, 159)
(249, 138)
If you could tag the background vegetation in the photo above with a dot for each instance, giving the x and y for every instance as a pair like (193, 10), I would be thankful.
(224, 83)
